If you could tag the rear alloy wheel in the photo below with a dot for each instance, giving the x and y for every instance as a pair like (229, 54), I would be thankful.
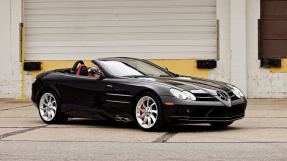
(49, 109)
(148, 112)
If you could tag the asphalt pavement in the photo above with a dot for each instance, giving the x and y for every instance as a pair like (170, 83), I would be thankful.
(261, 135)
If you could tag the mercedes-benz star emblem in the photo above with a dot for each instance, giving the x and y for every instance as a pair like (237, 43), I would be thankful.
(222, 95)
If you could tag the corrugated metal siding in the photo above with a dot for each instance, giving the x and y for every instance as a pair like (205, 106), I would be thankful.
(89, 29)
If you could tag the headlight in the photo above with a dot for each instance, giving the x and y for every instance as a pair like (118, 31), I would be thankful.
(189, 95)
(178, 94)
(182, 95)
(236, 91)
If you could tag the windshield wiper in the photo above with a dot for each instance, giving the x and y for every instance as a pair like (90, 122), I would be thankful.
(165, 76)
(136, 76)
(155, 75)
(147, 75)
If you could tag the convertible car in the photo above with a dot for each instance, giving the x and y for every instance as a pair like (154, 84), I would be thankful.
(130, 89)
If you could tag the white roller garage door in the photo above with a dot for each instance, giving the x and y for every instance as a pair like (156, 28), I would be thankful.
(150, 29)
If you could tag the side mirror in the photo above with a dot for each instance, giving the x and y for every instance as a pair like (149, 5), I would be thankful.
(174, 74)
(102, 76)
(165, 68)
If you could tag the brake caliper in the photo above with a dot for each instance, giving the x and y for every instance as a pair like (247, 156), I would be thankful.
(142, 112)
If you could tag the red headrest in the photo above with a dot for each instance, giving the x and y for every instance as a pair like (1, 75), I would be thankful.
(83, 70)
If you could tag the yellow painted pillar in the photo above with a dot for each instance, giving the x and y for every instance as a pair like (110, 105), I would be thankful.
(22, 58)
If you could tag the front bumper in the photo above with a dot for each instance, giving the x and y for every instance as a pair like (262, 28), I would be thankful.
(203, 111)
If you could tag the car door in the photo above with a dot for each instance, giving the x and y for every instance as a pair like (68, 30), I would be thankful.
(118, 97)
(82, 93)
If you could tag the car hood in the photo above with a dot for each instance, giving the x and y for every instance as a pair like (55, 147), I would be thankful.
(190, 83)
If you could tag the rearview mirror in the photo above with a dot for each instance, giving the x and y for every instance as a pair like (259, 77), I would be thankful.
(165, 68)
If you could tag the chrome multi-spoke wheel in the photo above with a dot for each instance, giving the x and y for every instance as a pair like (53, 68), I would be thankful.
(47, 107)
(146, 112)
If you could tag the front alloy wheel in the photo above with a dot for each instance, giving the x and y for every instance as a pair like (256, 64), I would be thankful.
(48, 107)
(49, 110)
(148, 112)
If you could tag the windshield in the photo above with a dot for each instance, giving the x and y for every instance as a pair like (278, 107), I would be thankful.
(133, 68)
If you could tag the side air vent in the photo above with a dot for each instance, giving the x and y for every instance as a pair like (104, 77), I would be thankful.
(232, 96)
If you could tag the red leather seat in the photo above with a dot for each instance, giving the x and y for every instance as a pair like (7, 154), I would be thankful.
(83, 70)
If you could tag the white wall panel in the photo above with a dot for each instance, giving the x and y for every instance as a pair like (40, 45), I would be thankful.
(88, 29)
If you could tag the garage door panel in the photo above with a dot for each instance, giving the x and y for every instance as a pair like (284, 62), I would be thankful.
(123, 36)
(123, 43)
(121, 17)
(130, 49)
(275, 29)
(113, 1)
(64, 28)
(172, 23)
(130, 10)
(118, 29)
(274, 48)
(275, 8)
(273, 33)
(124, 4)
(109, 3)
(140, 55)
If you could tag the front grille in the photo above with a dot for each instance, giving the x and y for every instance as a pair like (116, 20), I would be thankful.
(200, 112)
(204, 97)
(227, 112)
(232, 96)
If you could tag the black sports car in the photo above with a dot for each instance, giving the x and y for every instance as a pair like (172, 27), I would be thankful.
(129, 89)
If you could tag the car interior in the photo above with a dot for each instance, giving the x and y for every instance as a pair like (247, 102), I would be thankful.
(82, 70)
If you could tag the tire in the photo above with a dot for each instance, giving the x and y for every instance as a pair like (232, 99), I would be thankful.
(148, 112)
(49, 108)
(220, 124)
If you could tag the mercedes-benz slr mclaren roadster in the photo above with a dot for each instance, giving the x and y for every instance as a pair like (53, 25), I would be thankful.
(129, 89)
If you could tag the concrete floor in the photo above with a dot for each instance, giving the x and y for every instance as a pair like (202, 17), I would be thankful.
(262, 134)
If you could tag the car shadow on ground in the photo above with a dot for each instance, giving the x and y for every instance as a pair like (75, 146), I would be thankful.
(174, 128)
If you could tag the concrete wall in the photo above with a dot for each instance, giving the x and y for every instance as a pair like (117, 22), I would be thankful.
(223, 70)
(239, 64)
(231, 67)
(10, 73)
(261, 82)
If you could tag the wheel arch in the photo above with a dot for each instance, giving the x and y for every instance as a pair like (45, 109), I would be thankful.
(136, 97)
(43, 89)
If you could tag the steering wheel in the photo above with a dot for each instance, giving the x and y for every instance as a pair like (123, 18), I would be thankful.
(75, 66)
